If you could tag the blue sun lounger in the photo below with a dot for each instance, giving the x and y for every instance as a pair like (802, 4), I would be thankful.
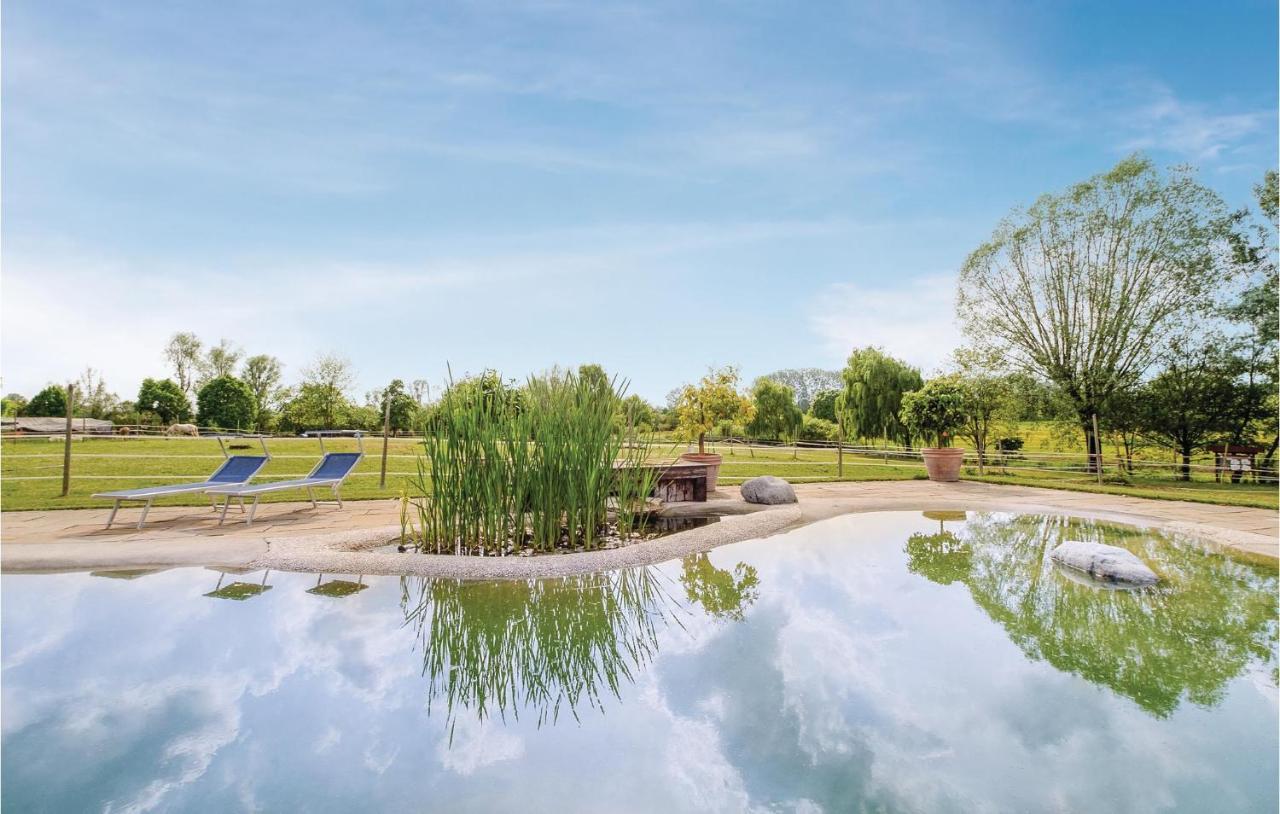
(332, 470)
(237, 470)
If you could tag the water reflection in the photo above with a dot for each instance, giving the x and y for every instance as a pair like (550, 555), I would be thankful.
(722, 593)
(1203, 625)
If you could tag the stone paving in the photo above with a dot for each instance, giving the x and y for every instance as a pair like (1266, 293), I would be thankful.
(76, 539)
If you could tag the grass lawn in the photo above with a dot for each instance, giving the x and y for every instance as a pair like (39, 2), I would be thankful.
(31, 471)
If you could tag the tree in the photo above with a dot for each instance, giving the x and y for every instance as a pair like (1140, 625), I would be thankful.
(1192, 400)
(404, 410)
(776, 413)
(262, 374)
(874, 384)
(13, 404)
(225, 403)
(639, 413)
(221, 360)
(164, 398)
(1085, 287)
(1257, 310)
(328, 380)
(936, 411)
(714, 399)
(92, 397)
(824, 405)
(806, 383)
(184, 353)
(1123, 418)
(51, 401)
(986, 396)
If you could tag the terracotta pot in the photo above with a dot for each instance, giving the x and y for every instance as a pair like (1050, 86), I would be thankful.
(708, 459)
(943, 463)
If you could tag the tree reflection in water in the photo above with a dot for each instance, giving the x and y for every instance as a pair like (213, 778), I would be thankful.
(721, 593)
(1208, 620)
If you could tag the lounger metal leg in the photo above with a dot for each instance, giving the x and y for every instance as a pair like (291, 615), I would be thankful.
(311, 493)
(242, 505)
(145, 509)
(214, 500)
(225, 503)
(337, 496)
(249, 520)
(114, 509)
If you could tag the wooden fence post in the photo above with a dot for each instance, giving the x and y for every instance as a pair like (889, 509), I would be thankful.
(840, 449)
(1097, 444)
(386, 429)
(66, 449)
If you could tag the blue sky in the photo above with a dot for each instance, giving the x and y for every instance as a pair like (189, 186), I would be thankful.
(654, 187)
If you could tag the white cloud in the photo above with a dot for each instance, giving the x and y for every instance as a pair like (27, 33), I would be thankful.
(913, 320)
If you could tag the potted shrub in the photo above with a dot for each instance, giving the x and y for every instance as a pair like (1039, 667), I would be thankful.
(934, 413)
(702, 406)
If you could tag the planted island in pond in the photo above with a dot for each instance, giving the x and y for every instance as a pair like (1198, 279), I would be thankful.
(557, 464)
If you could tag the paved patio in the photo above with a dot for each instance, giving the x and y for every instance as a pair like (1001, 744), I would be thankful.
(76, 539)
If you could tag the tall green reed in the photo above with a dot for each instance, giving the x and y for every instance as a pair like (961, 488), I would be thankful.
(539, 466)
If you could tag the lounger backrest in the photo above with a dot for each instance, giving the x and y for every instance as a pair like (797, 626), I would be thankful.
(238, 469)
(336, 465)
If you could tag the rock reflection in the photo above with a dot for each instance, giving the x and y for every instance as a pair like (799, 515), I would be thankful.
(1208, 621)
(493, 648)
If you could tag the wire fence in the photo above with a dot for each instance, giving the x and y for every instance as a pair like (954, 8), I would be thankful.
(1204, 466)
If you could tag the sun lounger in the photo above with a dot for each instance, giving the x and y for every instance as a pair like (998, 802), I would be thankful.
(236, 471)
(332, 470)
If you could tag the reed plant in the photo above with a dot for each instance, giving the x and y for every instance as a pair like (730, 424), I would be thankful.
(557, 463)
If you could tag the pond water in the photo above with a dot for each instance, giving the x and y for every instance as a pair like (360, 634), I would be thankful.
(879, 662)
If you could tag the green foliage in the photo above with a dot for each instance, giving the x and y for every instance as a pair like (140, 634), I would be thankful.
(404, 409)
(935, 411)
(715, 400)
(639, 413)
(1086, 287)
(818, 429)
(722, 593)
(776, 413)
(824, 405)
(325, 386)
(51, 401)
(314, 407)
(1193, 400)
(12, 405)
(500, 472)
(263, 374)
(806, 383)
(874, 384)
(1211, 619)
(225, 403)
(164, 399)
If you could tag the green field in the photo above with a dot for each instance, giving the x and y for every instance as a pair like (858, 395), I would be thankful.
(31, 471)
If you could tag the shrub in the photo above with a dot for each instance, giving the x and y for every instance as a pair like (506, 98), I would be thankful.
(226, 403)
(935, 411)
(818, 429)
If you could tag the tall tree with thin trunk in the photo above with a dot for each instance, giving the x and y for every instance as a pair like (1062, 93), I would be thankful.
(263, 373)
(329, 379)
(184, 353)
(1086, 287)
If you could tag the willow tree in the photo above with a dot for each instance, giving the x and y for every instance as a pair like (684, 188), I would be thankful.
(1086, 287)
(873, 386)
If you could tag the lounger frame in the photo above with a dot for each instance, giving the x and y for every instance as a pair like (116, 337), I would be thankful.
(147, 495)
(310, 483)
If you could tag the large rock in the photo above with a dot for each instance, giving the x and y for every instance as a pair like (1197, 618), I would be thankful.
(768, 489)
(1104, 562)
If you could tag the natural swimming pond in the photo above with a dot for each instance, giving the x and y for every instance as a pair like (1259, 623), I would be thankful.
(885, 662)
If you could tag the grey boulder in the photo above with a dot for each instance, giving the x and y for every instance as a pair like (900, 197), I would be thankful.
(1103, 562)
(768, 489)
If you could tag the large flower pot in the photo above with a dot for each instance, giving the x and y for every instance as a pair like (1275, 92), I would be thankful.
(708, 459)
(943, 463)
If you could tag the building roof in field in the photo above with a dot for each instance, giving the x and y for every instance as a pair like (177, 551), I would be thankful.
(55, 424)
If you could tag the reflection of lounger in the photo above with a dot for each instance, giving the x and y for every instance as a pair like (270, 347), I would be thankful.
(332, 470)
(236, 471)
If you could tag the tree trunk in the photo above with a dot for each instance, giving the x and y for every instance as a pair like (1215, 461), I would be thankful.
(1092, 444)
(1185, 469)
(702, 447)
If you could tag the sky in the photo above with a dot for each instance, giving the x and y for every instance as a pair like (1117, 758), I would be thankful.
(655, 187)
